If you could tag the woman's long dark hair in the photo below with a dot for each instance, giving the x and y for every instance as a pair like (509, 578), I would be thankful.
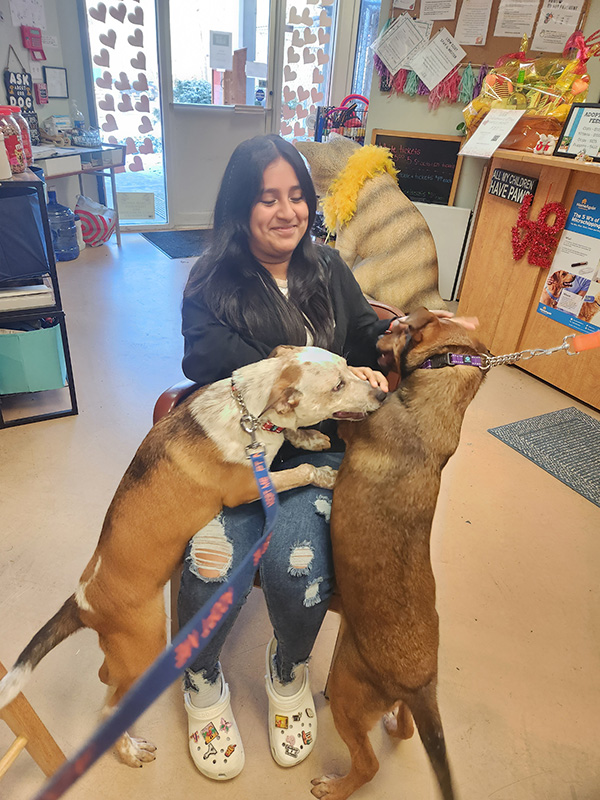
(234, 285)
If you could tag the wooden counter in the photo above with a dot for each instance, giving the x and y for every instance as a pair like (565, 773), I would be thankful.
(504, 293)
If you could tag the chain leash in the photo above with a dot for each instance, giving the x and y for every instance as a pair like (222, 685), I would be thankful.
(524, 355)
(248, 423)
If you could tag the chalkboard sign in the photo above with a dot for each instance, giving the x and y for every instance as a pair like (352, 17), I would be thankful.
(428, 165)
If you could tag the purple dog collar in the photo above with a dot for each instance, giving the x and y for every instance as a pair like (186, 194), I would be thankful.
(453, 360)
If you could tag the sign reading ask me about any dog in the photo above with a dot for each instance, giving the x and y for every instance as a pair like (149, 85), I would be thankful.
(511, 185)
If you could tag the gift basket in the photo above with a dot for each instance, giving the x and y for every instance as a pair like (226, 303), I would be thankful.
(545, 87)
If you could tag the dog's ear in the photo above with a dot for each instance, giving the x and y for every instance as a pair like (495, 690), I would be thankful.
(417, 320)
(284, 396)
(282, 350)
(285, 401)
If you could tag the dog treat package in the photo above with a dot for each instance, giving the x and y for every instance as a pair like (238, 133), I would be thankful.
(545, 87)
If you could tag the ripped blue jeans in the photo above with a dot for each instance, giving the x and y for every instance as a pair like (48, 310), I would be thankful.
(296, 572)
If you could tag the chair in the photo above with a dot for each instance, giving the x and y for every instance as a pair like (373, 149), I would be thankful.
(30, 733)
(175, 394)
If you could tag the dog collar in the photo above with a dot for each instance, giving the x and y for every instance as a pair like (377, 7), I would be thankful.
(249, 422)
(453, 360)
(271, 427)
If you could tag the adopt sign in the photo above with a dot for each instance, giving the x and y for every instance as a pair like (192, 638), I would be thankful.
(511, 185)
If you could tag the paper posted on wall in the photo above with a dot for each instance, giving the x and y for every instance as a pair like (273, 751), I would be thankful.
(473, 21)
(437, 59)
(516, 17)
(396, 45)
(571, 293)
(438, 9)
(556, 22)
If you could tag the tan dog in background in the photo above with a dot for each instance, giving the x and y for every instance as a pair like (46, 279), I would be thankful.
(559, 280)
(383, 506)
(191, 464)
(387, 243)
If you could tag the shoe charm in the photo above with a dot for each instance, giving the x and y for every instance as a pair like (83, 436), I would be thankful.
(209, 733)
(224, 725)
(212, 751)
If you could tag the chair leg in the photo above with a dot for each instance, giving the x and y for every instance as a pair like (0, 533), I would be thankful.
(32, 734)
(335, 650)
(174, 584)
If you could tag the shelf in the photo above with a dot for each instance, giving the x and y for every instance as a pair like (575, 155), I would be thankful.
(548, 161)
(20, 408)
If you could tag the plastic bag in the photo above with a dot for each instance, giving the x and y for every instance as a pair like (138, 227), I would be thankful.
(97, 221)
(22, 243)
(544, 87)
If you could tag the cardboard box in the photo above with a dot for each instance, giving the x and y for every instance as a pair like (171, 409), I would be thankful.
(32, 361)
(91, 160)
(112, 157)
(60, 165)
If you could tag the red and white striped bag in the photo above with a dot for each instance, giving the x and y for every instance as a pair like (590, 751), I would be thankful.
(97, 221)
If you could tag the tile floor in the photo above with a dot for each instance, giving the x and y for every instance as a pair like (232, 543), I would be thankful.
(516, 554)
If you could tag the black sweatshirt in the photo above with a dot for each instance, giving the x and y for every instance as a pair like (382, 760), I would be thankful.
(213, 350)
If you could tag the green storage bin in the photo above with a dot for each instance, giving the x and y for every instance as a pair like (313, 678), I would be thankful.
(32, 361)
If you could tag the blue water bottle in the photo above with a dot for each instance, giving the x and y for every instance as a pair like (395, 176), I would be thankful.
(63, 229)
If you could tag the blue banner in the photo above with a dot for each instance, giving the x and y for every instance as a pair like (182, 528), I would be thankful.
(184, 649)
(584, 214)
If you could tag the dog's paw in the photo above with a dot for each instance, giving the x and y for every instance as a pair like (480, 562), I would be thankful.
(324, 477)
(134, 751)
(308, 439)
(325, 786)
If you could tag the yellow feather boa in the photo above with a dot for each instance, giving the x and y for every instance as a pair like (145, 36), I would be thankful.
(339, 206)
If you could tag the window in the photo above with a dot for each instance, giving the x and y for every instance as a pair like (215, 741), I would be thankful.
(219, 51)
(367, 33)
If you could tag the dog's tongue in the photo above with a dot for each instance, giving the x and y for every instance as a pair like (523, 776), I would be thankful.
(355, 415)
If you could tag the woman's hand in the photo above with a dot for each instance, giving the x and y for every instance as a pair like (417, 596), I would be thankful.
(375, 378)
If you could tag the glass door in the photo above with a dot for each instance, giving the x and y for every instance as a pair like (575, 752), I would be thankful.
(307, 55)
(124, 53)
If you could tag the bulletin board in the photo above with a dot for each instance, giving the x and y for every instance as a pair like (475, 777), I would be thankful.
(428, 164)
(495, 46)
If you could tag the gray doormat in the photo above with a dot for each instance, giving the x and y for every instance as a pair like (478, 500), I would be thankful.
(565, 443)
(180, 244)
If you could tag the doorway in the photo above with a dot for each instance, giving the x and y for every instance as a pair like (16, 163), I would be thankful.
(204, 77)
(123, 46)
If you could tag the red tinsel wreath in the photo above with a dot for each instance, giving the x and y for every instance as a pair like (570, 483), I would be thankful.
(538, 237)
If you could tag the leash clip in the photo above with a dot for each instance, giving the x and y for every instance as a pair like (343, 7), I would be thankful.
(248, 423)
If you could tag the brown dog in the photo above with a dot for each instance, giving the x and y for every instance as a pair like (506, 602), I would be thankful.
(191, 464)
(383, 505)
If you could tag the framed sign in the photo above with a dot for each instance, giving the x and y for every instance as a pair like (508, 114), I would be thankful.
(580, 137)
(428, 164)
(55, 79)
(19, 94)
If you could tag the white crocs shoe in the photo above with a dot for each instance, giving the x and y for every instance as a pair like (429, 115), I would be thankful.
(215, 742)
(292, 720)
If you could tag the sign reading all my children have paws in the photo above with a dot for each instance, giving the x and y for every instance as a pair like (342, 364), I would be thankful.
(511, 185)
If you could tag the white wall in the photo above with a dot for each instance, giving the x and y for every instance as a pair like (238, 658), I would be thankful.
(402, 113)
(62, 24)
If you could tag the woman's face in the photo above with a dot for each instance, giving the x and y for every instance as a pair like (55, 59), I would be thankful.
(279, 218)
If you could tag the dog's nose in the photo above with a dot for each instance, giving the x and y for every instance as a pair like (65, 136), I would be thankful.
(380, 395)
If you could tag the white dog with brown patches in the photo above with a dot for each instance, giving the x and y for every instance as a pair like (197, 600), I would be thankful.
(191, 464)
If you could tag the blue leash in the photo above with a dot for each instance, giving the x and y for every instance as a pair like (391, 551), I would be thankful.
(184, 649)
